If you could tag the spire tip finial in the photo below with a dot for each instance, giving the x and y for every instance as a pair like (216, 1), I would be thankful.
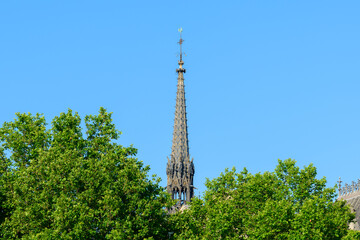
(180, 43)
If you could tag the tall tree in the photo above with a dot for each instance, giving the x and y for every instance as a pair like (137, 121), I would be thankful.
(63, 185)
(288, 203)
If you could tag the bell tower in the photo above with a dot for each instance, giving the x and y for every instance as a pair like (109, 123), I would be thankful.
(180, 170)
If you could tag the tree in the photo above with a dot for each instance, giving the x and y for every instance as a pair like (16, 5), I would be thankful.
(58, 184)
(286, 204)
(4, 168)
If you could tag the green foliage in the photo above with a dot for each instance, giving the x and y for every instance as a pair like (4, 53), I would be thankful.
(352, 235)
(66, 182)
(58, 184)
(286, 204)
(24, 137)
(4, 169)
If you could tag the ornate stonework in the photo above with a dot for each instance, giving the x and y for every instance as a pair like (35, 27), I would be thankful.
(351, 194)
(180, 170)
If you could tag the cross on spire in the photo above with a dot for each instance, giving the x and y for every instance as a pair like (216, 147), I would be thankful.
(180, 42)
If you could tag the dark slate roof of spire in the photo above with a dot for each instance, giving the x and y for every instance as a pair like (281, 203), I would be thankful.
(180, 145)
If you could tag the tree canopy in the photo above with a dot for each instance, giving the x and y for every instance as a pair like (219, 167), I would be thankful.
(73, 180)
(63, 183)
(289, 203)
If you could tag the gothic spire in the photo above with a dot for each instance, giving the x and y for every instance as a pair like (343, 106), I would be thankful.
(180, 170)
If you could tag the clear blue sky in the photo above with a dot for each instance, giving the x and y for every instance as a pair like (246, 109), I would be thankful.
(265, 79)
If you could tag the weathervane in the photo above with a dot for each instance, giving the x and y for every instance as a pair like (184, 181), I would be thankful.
(180, 43)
